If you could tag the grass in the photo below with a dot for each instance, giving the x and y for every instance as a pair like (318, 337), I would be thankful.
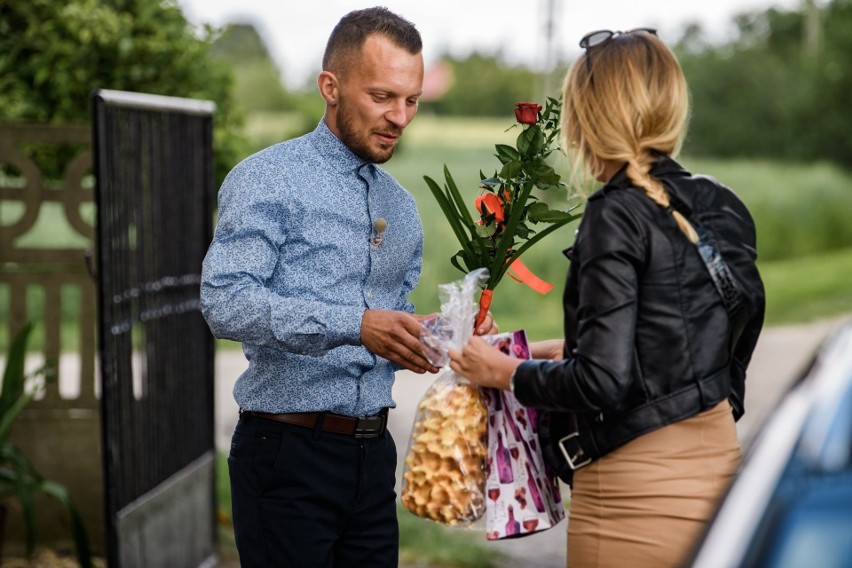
(809, 288)
(801, 210)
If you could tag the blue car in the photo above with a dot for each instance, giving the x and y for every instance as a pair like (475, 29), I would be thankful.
(790, 505)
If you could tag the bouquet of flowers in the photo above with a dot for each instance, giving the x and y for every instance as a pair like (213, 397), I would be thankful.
(500, 231)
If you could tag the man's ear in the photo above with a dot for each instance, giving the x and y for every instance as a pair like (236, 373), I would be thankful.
(328, 87)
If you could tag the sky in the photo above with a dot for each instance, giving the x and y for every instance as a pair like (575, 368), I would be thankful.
(296, 31)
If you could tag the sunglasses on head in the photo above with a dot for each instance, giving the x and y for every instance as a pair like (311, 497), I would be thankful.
(594, 39)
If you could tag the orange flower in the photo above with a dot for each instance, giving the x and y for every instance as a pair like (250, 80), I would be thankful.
(489, 204)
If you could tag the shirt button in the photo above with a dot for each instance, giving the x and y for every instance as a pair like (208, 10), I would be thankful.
(369, 295)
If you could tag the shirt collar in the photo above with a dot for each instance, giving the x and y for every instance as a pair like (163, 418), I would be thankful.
(334, 150)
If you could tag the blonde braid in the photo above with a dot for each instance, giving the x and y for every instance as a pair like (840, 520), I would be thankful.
(638, 170)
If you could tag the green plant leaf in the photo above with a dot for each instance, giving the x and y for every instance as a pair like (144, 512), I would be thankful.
(461, 204)
(486, 230)
(538, 236)
(454, 260)
(530, 141)
(7, 420)
(13, 375)
(510, 170)
(451, 214)
(540, 213)
(506, 153)
(78, 529)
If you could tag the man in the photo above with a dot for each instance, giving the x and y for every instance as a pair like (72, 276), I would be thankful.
(314, 255)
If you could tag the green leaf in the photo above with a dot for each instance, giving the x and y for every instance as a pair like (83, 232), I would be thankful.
(506, 153)
(541, 213)
(510, 170)
(450, 214)
(78, 529)
(13, 376)
(454, 260)
(486, 231)
(538, 236)
(531, 141)
(7, 419)
(461, 205)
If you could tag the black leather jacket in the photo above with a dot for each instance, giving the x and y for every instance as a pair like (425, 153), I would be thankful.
(647, 339)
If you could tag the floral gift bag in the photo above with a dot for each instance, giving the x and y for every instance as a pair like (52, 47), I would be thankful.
(522, 496)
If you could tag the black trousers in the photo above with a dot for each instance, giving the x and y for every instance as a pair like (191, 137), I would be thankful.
(306, 498)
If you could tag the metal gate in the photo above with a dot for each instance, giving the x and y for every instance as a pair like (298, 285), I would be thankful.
(155, 193)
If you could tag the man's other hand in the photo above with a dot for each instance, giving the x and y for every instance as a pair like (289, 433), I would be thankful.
(396, 337)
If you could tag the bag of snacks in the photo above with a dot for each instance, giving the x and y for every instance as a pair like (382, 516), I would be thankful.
(444, 475)
(445, 467)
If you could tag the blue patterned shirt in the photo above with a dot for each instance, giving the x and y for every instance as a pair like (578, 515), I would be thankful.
(291, 271)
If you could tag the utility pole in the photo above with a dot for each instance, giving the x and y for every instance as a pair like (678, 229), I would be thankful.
(812, 37)
(550, 15)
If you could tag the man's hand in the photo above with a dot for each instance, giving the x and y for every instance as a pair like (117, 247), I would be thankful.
(396, 337)
(548, 349)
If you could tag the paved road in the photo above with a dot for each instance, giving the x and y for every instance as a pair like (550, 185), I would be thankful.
(781, 355)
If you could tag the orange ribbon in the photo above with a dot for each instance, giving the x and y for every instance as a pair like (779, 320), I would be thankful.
(484, 304)
(525, 276)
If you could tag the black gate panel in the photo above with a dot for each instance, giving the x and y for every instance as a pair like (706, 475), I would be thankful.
(155, 196)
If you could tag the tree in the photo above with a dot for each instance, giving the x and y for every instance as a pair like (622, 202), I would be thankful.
(484, 86)
(53, 55)
(774, 91)
(257, 81)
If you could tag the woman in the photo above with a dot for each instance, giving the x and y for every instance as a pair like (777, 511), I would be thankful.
(650, 376)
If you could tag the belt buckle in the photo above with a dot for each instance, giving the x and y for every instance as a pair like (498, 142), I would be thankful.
(370, 426)
(571, 459)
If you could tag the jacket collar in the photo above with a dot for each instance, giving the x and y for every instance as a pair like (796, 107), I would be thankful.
(665, 166)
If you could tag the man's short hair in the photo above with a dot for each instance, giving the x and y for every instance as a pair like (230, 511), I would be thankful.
(353, 29)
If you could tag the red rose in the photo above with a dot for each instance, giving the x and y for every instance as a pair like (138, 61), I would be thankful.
(527, 113)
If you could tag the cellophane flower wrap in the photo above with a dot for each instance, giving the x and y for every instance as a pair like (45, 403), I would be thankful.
(510, 216)
(445, 466)
(523, 494)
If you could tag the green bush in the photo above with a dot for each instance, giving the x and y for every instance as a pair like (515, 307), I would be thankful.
(53, 55)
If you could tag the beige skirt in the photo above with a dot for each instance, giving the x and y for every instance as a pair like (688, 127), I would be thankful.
(644, 504)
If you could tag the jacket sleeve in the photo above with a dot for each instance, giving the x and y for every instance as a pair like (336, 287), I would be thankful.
(740, 253)
(236, 300)
(742, 352)
(610, 249)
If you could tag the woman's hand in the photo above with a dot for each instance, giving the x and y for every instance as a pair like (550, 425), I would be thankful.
(482, 364)
(488, 326)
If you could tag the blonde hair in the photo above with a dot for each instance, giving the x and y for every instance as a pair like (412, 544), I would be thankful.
(626, 101)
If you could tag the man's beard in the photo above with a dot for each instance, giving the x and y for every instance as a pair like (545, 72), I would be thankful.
(359, 143)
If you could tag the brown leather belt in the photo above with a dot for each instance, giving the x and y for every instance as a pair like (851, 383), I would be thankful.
(360, 427)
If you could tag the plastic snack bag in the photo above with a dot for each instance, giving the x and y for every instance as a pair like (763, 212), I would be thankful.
(445, 467)
(523, 495)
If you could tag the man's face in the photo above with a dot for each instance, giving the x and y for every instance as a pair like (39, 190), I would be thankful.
(377, 99)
